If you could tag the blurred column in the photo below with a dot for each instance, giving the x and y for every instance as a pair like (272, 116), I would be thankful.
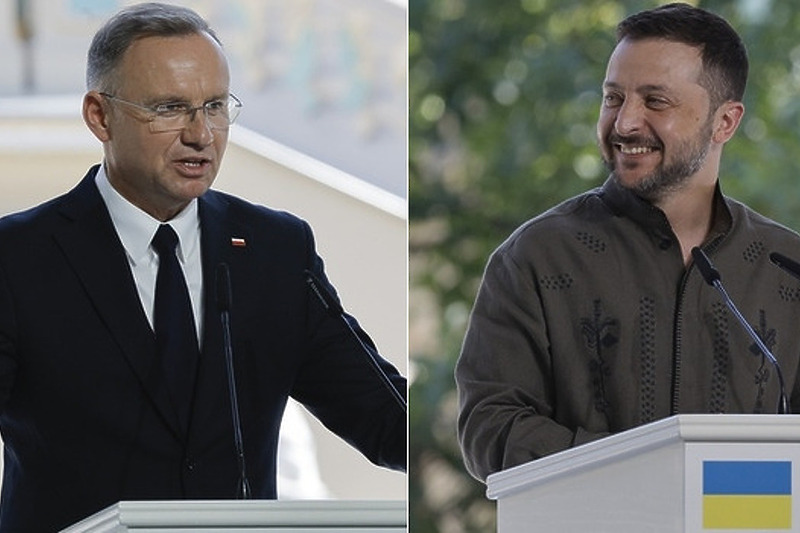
(25, 36)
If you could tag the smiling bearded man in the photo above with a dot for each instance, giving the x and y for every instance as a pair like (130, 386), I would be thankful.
(592, 318)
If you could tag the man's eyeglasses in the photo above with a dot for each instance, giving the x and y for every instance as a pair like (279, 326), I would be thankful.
(175, 116)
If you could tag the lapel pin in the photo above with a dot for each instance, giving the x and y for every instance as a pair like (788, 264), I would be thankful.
(238, 242)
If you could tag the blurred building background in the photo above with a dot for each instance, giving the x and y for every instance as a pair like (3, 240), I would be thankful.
(322, 134)
(504, 98)
(326, 77)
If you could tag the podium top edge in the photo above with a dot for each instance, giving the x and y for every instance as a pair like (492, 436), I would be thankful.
(679, 428)
(246, 513)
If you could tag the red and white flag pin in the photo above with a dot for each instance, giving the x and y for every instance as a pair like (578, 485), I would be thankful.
(238, 242)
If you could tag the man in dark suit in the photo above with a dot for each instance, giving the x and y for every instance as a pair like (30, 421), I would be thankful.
(96, 405)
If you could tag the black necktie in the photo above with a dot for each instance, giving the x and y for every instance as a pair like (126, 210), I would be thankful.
(176, 336)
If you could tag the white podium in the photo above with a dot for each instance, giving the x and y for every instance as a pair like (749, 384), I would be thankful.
(688, 473)
(328, 516)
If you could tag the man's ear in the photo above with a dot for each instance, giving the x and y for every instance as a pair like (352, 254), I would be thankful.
(95, 115)
(726, 121)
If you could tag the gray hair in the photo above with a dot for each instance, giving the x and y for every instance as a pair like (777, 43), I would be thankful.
(143, 20)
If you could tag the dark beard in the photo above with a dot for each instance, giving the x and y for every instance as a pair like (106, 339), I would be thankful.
(691, 155)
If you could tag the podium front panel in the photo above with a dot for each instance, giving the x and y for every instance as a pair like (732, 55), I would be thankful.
(636, 495)
(688, 473)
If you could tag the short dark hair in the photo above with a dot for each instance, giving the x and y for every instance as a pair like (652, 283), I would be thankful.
(724, 55)
(143, 20)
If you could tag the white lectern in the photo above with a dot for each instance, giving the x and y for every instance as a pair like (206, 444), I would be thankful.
(329, 516)
(686, 473)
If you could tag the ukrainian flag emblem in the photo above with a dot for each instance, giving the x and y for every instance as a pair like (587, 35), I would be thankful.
(747, 495)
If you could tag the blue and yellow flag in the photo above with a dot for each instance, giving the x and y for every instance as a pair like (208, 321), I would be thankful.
(747, 494)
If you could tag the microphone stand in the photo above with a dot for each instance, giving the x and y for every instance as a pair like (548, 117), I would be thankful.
(713, 278)
(224, 304)
(332, 305)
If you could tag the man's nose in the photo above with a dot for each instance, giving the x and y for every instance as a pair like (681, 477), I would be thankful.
(630, 117)
(198, 129)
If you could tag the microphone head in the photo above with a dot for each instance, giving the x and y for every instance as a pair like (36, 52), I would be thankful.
(328, 300)
(707, 270)
(786, 264)
(223, 288)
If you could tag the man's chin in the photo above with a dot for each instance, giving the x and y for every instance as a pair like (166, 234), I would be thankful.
(643, 186)
(630, 180)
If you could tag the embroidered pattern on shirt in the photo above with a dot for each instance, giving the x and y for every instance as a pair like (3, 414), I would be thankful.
(789, 294)
(721, 355)
(647, 328)
(769, 337)
(602, 337)
(591, 242)
(559, 282)
(753, 251)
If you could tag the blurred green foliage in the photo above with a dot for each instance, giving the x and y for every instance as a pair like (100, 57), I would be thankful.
(504, 97)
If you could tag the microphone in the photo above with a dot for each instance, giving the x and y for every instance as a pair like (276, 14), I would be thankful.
(334, 308)
(224, 307)
(712, 277)
(786, 264)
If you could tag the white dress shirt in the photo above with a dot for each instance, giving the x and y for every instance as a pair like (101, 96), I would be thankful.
(136, 229)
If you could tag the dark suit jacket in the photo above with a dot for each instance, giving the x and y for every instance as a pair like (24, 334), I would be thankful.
(83, 411)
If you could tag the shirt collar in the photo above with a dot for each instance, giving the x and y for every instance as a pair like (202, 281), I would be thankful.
(623, 202)
(136, 228)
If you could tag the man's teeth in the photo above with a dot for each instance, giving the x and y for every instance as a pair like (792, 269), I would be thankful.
(634, 150)
(193, 163)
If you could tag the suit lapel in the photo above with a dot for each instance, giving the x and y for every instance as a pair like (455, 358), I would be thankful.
(93, 249)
